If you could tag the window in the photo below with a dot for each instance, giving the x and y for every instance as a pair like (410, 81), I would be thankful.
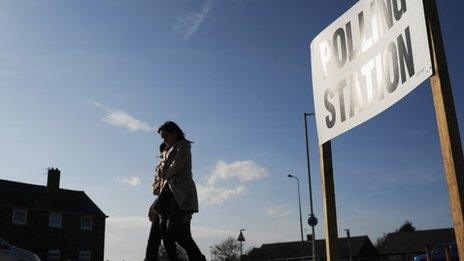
(85, 255)
(55, 220)
(20, 216)
(86, 223)
(54, 255)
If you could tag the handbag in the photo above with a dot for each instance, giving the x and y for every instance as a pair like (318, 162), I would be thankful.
(165, 199)
(162, 203)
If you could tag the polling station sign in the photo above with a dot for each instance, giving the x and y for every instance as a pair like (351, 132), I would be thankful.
(364, 62)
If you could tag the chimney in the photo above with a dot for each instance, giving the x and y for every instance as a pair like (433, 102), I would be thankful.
(53, 181)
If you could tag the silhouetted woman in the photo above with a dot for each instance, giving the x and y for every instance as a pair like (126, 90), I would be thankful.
(178, 199)
(154, 238)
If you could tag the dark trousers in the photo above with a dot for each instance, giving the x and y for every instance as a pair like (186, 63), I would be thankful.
(154, 242)
(175, 226)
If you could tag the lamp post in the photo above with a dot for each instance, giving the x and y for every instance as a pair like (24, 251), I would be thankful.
(241, 238)
(301, 222)
(349, 243)
(312, 220)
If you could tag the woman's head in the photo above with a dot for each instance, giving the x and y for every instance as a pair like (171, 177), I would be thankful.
(170, 132)
(162, 147)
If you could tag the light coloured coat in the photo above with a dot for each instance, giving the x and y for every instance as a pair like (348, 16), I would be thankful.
(175, 169)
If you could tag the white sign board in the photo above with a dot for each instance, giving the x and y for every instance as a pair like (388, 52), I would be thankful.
(367, 60)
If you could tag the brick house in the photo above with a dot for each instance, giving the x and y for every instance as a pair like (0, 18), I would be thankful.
(362, 249)
(54, 223)
(403, 246)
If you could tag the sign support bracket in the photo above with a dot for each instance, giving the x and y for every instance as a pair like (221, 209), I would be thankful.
(328, 195)
(448, 129)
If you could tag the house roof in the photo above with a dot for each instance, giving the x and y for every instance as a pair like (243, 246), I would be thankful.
(40, 197)
(361, 246)
(415, 241)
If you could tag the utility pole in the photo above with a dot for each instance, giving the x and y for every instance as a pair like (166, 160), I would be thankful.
(312, 220)
(349, 243)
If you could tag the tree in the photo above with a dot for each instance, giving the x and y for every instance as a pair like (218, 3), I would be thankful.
(406, 227)
(227, 250)
(381, 241)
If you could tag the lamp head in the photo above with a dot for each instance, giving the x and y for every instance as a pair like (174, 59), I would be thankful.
(290, 175)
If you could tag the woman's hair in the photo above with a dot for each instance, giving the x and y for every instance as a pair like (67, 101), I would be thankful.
(173, 128)
(162, 147)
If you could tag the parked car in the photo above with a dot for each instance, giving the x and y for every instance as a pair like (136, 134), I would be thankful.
(438, 253)
(9, 252)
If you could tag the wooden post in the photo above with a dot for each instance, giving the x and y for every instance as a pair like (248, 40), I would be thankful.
(328, 195)
(448, 129)
(447, 253)
(427, 254)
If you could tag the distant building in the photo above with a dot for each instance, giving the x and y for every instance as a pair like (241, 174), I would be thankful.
(361, 249)
(403, 246)
(54, 223)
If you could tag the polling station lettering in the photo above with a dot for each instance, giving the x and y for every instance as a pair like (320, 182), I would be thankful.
(381, 75)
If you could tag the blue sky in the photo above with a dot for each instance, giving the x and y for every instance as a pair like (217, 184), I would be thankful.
(83, 83)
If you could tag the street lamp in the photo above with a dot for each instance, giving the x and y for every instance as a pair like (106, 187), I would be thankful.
(301, 222)
(349, 243)
(312, 220)
(241, 238)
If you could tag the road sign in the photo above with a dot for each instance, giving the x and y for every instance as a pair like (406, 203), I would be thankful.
(366, 61)
(312, 221)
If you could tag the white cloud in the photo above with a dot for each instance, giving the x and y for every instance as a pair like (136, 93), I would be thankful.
(244, 171)
(207, 232)
(211, 195)
(123, 119)
(126, 237)
(279, 211)
(241, 170)
(188, 24)
(131, 181)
